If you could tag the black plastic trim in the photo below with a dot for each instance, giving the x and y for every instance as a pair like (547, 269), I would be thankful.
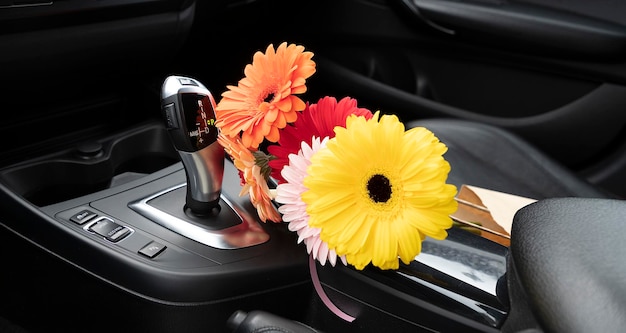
(419, 295)
(532, 26)
(211, 276)
(63, 13)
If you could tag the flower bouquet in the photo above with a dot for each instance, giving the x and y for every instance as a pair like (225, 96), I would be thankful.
(354, 185)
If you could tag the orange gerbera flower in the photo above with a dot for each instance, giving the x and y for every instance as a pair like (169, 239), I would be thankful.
(264, 100)
(253, 181)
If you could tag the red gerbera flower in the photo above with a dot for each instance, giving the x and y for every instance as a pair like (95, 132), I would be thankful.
(317, 120)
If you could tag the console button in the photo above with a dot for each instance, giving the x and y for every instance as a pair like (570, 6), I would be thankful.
(105, 227)
(169, 111)
(121, 233)
(152, 249)
(185, 81)
(83, 216)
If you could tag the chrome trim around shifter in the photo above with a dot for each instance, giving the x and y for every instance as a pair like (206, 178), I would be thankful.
(205, 169)
(245, 234)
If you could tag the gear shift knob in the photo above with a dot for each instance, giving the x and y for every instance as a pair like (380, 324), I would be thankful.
(189, 112)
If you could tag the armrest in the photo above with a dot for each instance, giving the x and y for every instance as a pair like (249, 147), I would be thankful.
(566, 253)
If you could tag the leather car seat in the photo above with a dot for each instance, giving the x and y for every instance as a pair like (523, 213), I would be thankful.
(489, 157)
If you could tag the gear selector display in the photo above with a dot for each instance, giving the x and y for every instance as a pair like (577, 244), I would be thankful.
(201, 128)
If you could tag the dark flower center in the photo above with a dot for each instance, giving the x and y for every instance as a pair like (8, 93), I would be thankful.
(379, 188)
(269, 97)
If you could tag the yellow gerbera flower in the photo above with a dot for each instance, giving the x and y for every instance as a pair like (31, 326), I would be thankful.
(377, 191)
(264, 101)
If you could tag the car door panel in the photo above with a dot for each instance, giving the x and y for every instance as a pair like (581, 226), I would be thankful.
(527, 26)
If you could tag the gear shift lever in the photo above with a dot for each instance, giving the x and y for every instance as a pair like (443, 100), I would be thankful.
(189, 111)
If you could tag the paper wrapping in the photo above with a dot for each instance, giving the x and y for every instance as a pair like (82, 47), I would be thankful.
(488, 213)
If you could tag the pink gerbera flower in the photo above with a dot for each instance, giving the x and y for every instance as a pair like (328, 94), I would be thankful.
(294, 209)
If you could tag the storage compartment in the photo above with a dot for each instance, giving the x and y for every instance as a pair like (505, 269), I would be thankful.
(92, 166)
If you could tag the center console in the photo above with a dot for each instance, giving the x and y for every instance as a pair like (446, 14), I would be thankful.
(149, 223)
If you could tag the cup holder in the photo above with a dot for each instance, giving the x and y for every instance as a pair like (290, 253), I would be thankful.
(92, 166)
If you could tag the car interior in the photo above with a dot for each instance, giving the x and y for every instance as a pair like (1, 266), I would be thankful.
(529, 96)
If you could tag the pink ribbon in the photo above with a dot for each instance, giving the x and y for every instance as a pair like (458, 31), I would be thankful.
(320, 292)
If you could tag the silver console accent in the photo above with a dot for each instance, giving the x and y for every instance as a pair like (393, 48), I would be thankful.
(204, 172)
(245, 234)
